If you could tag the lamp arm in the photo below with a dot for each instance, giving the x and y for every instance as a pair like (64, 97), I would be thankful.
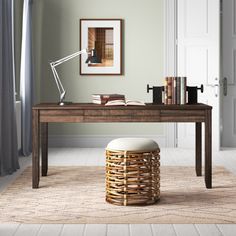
(60, 87)
(67, 58)
(59, 84)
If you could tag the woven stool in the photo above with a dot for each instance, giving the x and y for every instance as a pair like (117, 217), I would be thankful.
(132, 171)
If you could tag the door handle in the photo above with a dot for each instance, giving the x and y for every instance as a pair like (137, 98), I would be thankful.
(215, 86)
(225, 86)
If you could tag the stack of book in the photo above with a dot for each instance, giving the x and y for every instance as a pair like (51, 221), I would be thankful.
(175, 90)
(104, 98)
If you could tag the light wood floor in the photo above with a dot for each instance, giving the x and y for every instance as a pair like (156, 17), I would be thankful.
(95, 156)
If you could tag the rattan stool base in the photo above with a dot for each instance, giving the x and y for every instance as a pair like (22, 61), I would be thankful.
(132, 178)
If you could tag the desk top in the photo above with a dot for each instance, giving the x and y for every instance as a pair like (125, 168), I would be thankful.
(149, 106)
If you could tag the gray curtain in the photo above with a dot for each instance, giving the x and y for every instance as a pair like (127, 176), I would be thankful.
(26, 79)
(8, 134)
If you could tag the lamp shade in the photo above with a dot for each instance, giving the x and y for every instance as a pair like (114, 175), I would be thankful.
(93, 58)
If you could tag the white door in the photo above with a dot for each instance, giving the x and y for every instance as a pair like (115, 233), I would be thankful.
(198, 43)
(229, 73)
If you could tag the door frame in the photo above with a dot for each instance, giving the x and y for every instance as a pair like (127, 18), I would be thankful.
(170, 59)
(171, 62)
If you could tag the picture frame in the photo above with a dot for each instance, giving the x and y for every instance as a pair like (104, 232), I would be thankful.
(105, 36)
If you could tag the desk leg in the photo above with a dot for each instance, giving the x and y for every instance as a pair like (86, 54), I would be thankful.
(35, 148)
(208, 149)
(198, 152)
(44, 148)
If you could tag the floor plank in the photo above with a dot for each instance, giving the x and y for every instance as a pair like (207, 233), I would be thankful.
(118, 230)
(73, 230)
(27, 229)
(140, 230)
(95, 229)
(50, 229)
(227, 229)
(185, 229)
(8, 229)
(163, 229)
(208, 230)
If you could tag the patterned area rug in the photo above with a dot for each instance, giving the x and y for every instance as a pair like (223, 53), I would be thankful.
(76, 195)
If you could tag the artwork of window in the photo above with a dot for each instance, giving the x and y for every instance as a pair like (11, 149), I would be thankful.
(105, 37)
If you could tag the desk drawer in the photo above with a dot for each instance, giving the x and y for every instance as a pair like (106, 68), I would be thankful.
(121, 116)
(61, 115)
(182, 116)
(122, 112)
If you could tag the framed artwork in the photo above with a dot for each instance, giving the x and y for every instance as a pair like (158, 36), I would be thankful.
(105, 36)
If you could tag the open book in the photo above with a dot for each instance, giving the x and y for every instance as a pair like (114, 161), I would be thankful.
(124, 103)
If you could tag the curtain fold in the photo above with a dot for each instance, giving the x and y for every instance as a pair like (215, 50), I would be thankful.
(8, 134)
(26, 79)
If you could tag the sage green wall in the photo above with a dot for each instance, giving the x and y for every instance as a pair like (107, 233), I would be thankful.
(56, 34)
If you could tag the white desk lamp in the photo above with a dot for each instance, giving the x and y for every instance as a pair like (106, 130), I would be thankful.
(92, 59)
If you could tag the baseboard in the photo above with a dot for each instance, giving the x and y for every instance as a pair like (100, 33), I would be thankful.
(95, 141)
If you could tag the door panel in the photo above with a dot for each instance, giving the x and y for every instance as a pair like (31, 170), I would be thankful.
(196, 16)
(229, 72)
(198, 73)
(198, 59)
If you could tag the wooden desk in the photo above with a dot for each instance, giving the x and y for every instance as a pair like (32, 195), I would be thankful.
(86, 112)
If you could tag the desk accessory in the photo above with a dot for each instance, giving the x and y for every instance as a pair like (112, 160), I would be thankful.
(104, 98)
(124, 103)
(174, 92)
(92, 59)
(157, 93)
(106, 36)
(192, 93)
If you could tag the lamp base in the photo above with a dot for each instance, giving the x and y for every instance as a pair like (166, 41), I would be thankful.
(64, 103)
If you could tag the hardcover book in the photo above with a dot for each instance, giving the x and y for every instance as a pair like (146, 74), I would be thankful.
(177, 95)
(125, 103)
(183, 90)
(168, 90)
(173, 90)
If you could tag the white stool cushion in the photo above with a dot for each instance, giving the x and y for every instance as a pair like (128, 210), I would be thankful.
(133, 144)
